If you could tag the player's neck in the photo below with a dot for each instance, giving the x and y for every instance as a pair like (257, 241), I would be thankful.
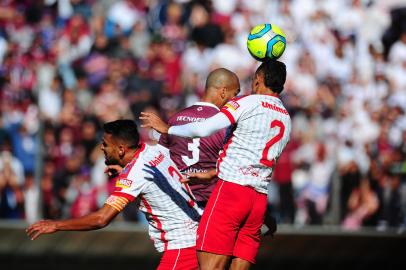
(266, 91)
(208, 99)
(129, 155)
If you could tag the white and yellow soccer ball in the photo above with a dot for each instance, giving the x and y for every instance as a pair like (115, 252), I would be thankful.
(266, 41)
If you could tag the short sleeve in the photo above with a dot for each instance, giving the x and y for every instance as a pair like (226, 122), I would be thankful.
(130, 183)
(234, 108)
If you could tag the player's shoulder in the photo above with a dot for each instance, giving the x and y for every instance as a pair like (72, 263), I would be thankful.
(158, 148)
(237, 101)
(149, 155)
(138, 161)
(194, 113)
(174, 118)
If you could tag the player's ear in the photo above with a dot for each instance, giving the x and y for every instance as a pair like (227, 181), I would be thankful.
(121, 151)
(223, 92)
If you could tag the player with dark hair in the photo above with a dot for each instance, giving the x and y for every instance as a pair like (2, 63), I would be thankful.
(200, 155)
(231, 223)
(150, 175)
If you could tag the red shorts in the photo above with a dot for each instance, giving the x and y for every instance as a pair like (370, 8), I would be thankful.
(179, 259)
(232, 220)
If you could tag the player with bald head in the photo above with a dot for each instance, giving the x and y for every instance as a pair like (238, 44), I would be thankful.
(200, 155)
(221, 85)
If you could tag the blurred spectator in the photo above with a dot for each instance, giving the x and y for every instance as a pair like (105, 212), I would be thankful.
(350, 177)
(81, 195)
(392, 203)
(317, 191)
(283, 177)
(7, 159)
(11, 195)
(50, 100)
(31, 199)
(122, 16)
(362, 204)
(73, 44)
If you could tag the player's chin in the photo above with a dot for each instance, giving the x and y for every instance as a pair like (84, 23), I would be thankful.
(110, 161)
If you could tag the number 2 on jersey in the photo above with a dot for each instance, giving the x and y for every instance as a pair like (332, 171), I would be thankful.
(264, 160)
(172, 171)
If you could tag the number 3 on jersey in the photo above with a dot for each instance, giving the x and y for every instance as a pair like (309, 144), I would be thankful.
(194, 148)
(274, 124)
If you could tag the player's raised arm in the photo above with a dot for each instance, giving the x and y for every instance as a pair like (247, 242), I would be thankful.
(192, 130)
(93, 221)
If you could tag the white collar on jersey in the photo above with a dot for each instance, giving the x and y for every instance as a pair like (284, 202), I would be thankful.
(202, 103)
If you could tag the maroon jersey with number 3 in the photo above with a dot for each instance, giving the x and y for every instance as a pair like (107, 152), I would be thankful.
(199, 154)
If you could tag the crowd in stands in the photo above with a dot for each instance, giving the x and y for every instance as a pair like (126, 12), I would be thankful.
(68, 66)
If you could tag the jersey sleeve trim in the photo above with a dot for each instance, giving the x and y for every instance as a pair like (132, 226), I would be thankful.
(117, 202)
(229, 115)
(125, 195)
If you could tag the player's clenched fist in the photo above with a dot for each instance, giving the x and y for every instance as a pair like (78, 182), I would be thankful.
(152, 120)
(41, 227)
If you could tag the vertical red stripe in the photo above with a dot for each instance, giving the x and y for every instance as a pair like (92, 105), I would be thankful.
(158, 222)
(229, 116)
(211, 212)
(172, 171)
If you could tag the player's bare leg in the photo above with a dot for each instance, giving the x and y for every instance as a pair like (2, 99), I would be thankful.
(240, 264)
(211, 261)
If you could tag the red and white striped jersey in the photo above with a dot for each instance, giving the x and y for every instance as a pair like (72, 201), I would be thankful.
(262, 128)
(168, 204)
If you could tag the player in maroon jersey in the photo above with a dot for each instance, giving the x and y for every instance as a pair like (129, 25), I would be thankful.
(199, 155)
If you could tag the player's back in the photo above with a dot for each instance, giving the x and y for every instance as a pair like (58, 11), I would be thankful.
(170, 209)
(199, 154)
(261, 131)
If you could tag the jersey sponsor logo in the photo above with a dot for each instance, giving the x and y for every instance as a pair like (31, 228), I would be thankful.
(274, 108)
(254, 172)
(185, 118)
(158, 159)
(193, 170)
(233, 105)
(249, 171)
(124, 183)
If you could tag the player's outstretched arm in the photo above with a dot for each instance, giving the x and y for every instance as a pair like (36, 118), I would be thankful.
(192, 130)
(97, 220)
(152, 120)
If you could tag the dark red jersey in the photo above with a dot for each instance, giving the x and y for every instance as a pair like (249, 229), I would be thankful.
(199, 154)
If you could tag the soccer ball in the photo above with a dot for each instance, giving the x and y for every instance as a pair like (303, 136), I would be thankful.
(266, 41)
